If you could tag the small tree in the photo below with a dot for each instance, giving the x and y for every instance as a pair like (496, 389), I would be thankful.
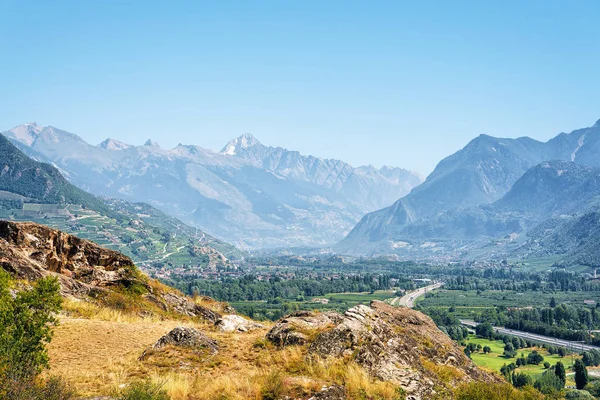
(485, 330)
(546, 364)
(552, 302)
(521, 361)
(487, 349)
(25, 329)
(534, 358)
(561, 351)
(581, 374)
(548, 383)
(559, 370)
(509, 350)
(520, 380)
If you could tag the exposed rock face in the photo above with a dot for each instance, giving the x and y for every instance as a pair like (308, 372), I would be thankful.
(398, 345)
(235, 323)
(184, 337)
(32, 251)
(183, 305)
(294, 328)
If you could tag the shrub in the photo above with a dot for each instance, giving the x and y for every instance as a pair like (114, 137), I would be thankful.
(546, 364)
(143, 390)
(534, 358)
(26, 322)
(273, 387)
(548, 383)
(521, 380)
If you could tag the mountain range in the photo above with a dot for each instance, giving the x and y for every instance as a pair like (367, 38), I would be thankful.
(35, 191)
(252, 195)
(490, 189)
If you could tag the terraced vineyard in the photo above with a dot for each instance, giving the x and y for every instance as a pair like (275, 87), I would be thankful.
(156, 242)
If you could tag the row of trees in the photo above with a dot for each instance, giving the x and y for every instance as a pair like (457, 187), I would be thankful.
(251, 289)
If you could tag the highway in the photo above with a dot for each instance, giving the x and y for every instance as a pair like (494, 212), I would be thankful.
(576, 346)
(408, 300)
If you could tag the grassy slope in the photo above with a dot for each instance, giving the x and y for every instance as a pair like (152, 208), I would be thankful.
(100, 355)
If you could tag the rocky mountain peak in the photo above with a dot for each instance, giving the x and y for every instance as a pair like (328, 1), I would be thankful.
(112, 144)
(26, 133)
(245, 141)
(150, 143)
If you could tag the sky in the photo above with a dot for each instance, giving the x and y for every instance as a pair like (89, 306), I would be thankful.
(401, 83)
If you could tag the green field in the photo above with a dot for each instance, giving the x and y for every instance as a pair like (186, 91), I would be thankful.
(337, 302)
(468, 303)
(495, 360)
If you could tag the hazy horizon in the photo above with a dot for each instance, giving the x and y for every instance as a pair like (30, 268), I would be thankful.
(398, 84)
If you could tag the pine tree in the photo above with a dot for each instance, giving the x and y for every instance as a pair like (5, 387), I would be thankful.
(581, 374)
(559, 370)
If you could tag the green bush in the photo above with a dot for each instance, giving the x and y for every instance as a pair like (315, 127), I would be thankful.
(26, 321)
(143, 390)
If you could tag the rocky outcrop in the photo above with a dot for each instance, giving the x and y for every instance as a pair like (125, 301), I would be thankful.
(397, 345)
(335, 392)
(31, 251)
(184, 337)
(183, 305)
(296, 328)
(235, 323)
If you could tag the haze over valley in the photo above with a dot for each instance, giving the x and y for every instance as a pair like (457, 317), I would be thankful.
(275, 200)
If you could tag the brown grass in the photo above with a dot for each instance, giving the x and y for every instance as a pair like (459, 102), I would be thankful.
(99, 355)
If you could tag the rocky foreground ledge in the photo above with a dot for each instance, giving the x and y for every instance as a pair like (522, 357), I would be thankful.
(398, 345)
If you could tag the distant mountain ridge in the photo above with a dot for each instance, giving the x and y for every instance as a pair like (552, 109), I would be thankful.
(34, 180)
(481, 173)
(130, 227)
(366, 186)
(249, 194)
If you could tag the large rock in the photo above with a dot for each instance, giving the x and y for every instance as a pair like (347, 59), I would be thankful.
(235, 323)
(184, 337)
(31, 251)
(183, 305)
(401, 346)
(397, 345)
(296, 328)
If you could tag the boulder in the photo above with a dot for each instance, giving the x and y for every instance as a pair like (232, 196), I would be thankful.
(398, 345)
(184, 337)
(296, 328)
(235, 323)
(183, 305)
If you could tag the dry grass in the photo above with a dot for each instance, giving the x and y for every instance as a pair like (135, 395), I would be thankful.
(85, 309)
(99, 355)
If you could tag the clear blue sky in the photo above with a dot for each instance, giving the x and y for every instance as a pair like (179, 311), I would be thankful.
(370, 82)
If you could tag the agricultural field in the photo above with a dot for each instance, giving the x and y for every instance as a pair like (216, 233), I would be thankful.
(336, 302)
(469, 302)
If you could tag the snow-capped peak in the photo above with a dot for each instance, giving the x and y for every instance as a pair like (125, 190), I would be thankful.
(150, 143)
(26, 133)
(245, 141)
(112, 144)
